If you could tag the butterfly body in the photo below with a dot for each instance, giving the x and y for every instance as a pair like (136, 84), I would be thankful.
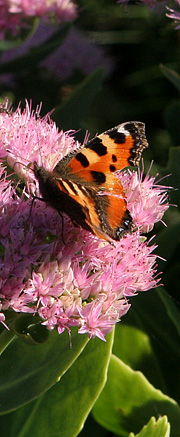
(84, 184)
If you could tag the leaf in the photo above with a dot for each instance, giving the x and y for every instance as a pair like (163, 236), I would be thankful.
(173, 168)
(171, 279)
(62, 410)
(70, 114)
(23, 35)
(36, 54)
(159, 428)
(30, 329)
(92, 428)
(9, 44)
(31, 370)
(167, 238)
(171, 75)
(171, 118)
(171, 308)
(133, 346)
(155, 315)
(128, 400)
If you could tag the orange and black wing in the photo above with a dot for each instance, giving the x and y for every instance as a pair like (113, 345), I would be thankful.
(84, 183)
(91, 178)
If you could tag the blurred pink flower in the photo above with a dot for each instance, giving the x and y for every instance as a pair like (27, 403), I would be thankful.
(76, 52)
(14, 14)
(85, 282)
(157, 6)
(175, 15)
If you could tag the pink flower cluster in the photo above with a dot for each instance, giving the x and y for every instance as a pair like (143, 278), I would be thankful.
(174, 14)
(77, 280)
(160, 5)
(14, 14)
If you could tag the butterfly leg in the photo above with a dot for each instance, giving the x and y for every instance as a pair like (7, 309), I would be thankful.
(32, 203)
(62, 232)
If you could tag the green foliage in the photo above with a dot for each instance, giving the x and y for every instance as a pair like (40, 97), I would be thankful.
(172, 76)
(35, 55)
(70, 114)
(40, 368)
(143, 357)
(129, 400)
(159, 428)
(47, 387)
(62, 410)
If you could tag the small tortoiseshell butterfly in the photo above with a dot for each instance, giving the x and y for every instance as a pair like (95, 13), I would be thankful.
(84, 184)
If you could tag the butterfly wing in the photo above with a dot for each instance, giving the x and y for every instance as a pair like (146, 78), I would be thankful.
(84, 184)
(108, 152)
(91, 171)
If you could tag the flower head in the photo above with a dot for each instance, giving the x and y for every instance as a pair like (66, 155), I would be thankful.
(22, 132)
(15, 14)
(77, 280)
(77, 52)
(175, 15)
(147, 201)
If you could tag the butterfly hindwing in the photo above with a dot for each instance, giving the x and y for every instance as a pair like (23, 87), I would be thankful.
(84, 183)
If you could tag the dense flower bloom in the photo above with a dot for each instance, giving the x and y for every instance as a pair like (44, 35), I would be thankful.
(147, 200)
(77, 280)
(14, 14)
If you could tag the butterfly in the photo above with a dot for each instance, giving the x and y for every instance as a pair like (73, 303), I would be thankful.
(84, 184)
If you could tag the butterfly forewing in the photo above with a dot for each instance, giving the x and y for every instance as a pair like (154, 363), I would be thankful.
(113, 150)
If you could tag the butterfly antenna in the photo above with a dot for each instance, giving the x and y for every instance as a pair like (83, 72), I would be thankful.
(23, 165)
(37, 117)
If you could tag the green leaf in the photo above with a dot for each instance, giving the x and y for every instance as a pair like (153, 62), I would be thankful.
(70, 114)
(9, 44)
(171, 118)
(6, 337)
(23, 35)
(156, 315)
(30, 329)
(31, 370)
(171, 75)
(62, 410)
(128, 400)
(167, 238)
(36, 54)
(159, 428)
(92, 428)
(131, 338)
(171, 279)
(172, 310)
(173, 167)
